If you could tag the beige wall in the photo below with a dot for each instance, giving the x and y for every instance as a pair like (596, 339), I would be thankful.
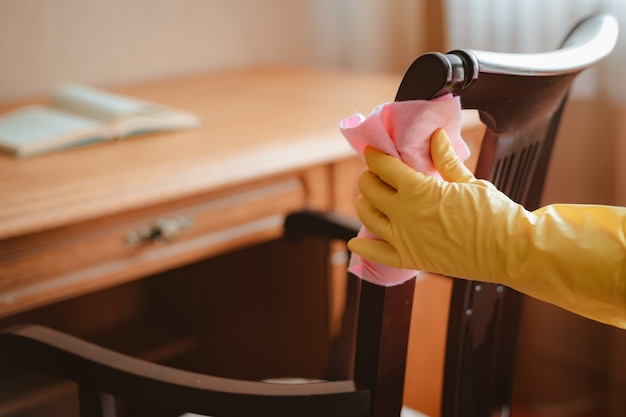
(586, 163)
(114, 42)
(618, 114)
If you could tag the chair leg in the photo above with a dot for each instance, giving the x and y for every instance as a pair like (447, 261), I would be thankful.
(383, 335)
(342, 358)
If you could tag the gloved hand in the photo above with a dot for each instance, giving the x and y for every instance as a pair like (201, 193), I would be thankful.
(569, 255)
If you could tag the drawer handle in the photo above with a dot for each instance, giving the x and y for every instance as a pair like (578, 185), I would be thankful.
(163, 230)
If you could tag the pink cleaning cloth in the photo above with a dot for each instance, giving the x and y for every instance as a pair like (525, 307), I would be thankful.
(402, 129)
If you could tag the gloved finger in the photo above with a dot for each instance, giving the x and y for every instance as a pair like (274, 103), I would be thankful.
(377, 192)
(375, 250)
(388, 168)
(373, 219)
(446, 160)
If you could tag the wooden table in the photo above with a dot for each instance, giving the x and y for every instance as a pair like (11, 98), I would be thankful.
(269, 144)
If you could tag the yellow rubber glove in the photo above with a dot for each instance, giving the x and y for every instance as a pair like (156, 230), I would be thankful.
(572, 256)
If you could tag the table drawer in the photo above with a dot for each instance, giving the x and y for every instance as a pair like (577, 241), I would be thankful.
(53, 265)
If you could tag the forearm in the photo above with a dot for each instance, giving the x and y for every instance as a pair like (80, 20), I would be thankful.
(576, 260)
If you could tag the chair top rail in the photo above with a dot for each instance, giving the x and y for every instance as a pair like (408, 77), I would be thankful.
(587, 43)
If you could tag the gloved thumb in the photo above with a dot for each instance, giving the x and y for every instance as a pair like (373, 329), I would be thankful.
(446, 160)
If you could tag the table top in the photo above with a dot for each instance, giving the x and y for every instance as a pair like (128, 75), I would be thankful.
(255, 123)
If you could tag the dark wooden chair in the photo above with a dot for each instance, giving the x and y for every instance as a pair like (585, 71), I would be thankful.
(520, 99)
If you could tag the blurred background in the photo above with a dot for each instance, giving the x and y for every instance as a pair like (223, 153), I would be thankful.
(568, 365)
(118, 42)
(44, 43)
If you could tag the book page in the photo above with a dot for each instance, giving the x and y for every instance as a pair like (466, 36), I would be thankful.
(35, 129)
(94, 103)
(124, 115)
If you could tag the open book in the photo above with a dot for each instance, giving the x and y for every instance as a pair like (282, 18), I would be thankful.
(79, 115)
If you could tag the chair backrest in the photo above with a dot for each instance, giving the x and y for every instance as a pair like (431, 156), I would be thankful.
(520, 98)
